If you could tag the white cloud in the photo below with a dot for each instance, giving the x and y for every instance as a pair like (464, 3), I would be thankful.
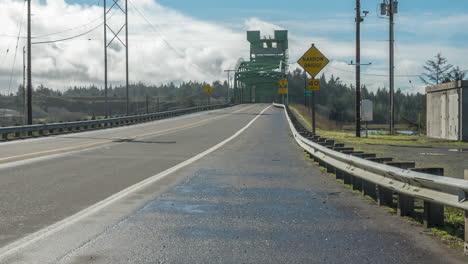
(178, 48)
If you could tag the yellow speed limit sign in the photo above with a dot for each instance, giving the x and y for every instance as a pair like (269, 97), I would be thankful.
(313, 85)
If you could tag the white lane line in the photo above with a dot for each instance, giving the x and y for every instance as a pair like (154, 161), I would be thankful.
(43, 233)
(17, 163)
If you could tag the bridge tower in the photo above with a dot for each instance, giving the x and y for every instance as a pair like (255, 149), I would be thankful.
(256, 80)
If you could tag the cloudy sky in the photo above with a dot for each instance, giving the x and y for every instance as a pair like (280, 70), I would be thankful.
(182, 40)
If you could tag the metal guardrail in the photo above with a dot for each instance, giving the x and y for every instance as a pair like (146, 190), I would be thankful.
(382, 181)
(53, 128)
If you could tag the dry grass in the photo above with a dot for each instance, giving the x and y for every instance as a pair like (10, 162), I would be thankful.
(328, 129)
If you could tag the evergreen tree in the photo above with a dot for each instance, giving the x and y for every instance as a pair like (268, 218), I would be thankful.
(437, 71)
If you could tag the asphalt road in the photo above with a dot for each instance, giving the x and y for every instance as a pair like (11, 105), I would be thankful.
(256, 199)
(57, 176)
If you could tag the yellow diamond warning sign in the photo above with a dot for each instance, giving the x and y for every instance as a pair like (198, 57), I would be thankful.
(283, 83)
(208, 89)
(313, 61)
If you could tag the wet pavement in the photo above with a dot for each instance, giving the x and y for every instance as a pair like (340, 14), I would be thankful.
(260, 200)
(257, 199)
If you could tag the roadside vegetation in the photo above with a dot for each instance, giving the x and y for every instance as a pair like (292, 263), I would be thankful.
(88, 102)
(329, 130)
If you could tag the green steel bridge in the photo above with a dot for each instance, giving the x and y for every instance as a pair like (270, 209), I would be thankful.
(256, 81)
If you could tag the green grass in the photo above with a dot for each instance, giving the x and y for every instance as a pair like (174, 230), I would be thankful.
(449, 239)
(451, 233)
(453, 230)
(390, 210)
(380, 139)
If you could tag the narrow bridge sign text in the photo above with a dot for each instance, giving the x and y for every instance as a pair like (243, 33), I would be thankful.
(313, 61)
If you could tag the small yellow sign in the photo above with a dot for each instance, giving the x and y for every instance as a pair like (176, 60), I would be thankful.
(282, 90)
(208, 89)
(313, 61)
(313, 85)
(283, 83)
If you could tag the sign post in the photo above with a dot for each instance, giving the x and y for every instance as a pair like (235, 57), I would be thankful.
(283, 88)
(208, 90)
(313, 61)
(367, 111)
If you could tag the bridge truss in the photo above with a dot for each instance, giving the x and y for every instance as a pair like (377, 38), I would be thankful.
(256, 81)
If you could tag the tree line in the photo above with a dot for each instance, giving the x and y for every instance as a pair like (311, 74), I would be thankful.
(336, 100)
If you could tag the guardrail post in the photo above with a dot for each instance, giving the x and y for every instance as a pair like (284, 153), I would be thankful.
(366, 187)
(339, 174)
(384, 195)
(433, 214)
(347, 178)
(330, 168)
(405, 205)
(466, 222)
(369, 189)
(321, 163)
(357, 183)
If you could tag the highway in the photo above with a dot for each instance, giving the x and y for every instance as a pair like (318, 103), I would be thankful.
(223, 186)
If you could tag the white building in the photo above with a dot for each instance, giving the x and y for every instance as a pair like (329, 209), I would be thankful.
(447, 111)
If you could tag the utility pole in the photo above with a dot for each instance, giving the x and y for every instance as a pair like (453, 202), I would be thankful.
(105, 59)
(115, 36)
(29, 96)
(229, 82)
(390, 8)
(359, 20)
(126, 55)
(392, 71)
(147, 104)
(24, 86)
(157, 104)
(358, 67)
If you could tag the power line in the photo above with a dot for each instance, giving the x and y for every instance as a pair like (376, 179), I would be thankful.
(70, 29)
(155, 29)
(72, 37)
(69, 38)
(16, 49)
(58, 32)
(375, 75)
